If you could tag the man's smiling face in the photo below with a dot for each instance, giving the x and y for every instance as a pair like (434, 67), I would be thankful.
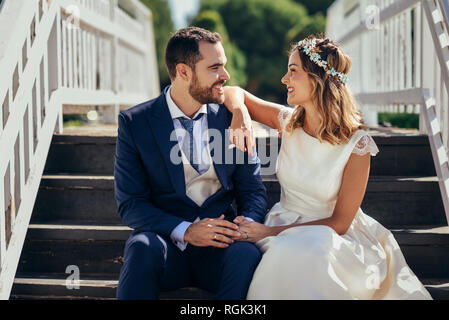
(209, 74)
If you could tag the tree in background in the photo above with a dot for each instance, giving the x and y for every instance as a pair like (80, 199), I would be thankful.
(316, 6)
(315, 24)
(260, 28)
(261, 32)
(211, 20)
(163, 27)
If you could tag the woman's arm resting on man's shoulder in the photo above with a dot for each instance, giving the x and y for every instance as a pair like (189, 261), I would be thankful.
(246, 107)
(260, 110)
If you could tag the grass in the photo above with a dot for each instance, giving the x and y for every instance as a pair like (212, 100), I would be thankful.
(73, 123)
(400, 120)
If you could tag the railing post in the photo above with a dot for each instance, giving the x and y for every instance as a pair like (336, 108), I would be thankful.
(151, 74)
(2, 222)
(55, 68)
(369, 113)
(110, 114)
(46, 62)
(418, 50)
(437, 42)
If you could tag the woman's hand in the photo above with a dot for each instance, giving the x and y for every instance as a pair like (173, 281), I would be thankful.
(241, 131)
(253, 231)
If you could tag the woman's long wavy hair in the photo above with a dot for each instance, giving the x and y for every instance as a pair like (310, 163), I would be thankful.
(339, 116)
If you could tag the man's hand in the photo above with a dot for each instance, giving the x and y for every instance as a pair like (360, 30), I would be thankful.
(212, 232)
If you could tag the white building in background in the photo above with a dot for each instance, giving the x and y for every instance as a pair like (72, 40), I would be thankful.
(56, 54)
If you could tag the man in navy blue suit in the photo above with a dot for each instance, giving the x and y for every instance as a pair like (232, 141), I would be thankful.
(176, 178)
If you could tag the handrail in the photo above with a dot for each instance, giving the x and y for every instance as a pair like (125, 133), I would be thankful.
(389, 69)
(394, 9)
(436, 36)
(438, 28)
(105, 25)
(50, 60)
(444, 5)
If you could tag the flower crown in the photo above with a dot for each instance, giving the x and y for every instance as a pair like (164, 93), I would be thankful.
(309, 47)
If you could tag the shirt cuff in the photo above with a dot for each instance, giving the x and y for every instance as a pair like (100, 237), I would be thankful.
(177, 235)
(249, 219)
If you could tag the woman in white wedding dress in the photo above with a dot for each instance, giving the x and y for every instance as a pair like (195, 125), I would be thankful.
(317, 243)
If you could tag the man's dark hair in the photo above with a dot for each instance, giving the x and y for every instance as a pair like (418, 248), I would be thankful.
(183, 47)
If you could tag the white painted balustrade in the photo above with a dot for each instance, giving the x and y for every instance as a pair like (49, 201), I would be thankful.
(400, 55)
(55, 53)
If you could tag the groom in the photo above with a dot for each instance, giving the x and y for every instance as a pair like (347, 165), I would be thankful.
(181, 211)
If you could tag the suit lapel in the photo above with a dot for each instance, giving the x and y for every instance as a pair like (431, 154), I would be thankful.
(216, 121)
(161, 124)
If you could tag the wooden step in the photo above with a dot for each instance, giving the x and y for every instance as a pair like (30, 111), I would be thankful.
(32, 288)
(392, 200)
(99, 249)
(405, 154)
(54, 286)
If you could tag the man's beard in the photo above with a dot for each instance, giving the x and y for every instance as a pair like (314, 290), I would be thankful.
(204, 95)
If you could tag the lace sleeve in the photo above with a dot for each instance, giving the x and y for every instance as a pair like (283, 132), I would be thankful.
(284, 115)
(364, 145)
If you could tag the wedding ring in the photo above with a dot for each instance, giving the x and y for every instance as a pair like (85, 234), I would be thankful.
(246, 233)
(215, 236)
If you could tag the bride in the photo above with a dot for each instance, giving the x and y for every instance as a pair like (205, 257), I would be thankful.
(317, 243)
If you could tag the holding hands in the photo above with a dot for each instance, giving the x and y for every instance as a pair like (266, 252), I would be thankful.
(252, 231)
(212, 232)
(221, 233)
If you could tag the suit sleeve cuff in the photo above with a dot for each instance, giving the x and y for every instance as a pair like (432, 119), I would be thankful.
(177, 235)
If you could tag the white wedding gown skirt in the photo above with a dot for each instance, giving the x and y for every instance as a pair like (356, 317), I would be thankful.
(314, 262)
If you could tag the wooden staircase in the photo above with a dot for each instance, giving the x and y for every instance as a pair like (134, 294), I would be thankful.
(74, 221)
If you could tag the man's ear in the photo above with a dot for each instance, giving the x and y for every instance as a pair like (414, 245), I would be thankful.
(184, 71)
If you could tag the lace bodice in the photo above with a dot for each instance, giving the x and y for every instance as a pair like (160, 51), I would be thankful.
(365, 145)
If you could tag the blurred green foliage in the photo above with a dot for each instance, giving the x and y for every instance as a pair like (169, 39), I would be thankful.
(315, 6)
(256, 37)
(163, 27)
(400, 120)
(315, 24)
(211, 20)
(263, 31)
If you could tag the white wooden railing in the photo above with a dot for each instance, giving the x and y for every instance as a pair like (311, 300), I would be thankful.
(400, 55)
(55, 53)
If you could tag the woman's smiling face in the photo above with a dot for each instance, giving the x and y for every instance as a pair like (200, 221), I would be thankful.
(299, 85)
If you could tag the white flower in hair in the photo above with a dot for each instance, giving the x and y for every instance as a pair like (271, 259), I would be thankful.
(309, 47)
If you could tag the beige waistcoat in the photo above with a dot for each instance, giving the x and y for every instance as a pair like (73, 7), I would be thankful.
(200, 187)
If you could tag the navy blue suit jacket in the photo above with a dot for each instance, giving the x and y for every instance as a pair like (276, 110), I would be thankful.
(150, 188)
